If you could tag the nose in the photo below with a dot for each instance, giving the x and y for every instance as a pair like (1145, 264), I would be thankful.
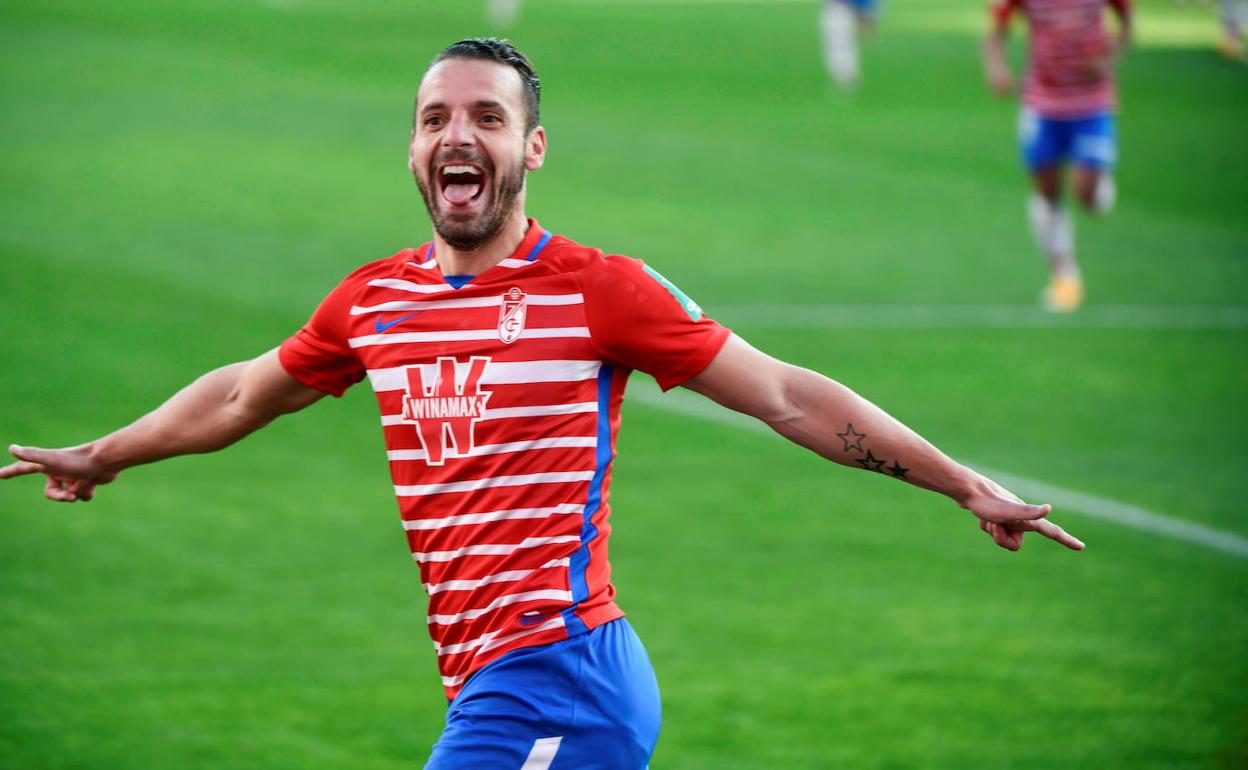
(459, 132)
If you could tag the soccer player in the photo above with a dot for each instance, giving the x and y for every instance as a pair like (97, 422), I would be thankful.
(499, 353)
(840, 23)
(502, 13)
(1234, 15)
(1069, 101)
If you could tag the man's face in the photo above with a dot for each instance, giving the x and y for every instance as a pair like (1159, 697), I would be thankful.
(470, 151)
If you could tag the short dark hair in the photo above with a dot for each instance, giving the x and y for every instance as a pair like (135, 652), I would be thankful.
(503, 52)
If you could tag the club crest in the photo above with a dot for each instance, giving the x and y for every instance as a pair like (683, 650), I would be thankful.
(511, 315)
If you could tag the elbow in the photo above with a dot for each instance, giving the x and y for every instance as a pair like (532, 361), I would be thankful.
(789, 404)
(242, 413)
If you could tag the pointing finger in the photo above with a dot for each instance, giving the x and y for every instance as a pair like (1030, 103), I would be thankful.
(1054, 532)
(20, 469)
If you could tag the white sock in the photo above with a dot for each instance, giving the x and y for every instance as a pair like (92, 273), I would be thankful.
(840, 45)
(1053, 230)
(1040, 214)
(1105, 194)
(1062, 245)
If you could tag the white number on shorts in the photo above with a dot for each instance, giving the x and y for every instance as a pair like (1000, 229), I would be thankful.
(542, 753)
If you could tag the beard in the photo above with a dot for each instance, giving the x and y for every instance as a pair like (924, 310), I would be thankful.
(467, 232)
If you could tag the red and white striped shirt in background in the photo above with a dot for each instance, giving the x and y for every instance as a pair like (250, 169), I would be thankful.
(500, 404)
(1067, 72)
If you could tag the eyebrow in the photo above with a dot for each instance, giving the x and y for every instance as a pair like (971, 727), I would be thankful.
(480, 104)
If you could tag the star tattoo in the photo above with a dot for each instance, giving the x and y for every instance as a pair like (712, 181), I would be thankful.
(852, 439)
(871, 463)
(897, 470)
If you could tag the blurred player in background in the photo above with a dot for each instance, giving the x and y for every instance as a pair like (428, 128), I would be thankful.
(1069, 101)
(1234, 20)
(502, 13)
(499, 354)
(841, 22)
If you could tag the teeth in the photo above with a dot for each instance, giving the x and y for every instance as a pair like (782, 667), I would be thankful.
(459, 170)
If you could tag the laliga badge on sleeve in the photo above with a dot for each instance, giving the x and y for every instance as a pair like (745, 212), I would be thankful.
(511, 315)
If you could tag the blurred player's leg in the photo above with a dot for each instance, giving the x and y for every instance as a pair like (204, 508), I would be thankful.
(1234, 21)
(1053, 230)
(502, 13)
(1094, 150)
(1095, 189)
(1045, 143)
(839, 25)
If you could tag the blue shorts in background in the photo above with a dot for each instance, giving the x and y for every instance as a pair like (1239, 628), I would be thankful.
(1089, 141)
(868, 8)
(586, 703)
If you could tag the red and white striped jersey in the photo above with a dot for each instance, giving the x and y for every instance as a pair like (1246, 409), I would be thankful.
(1068, 72)
(500, 404)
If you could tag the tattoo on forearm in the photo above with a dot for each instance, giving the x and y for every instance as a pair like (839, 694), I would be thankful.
(871, 463)
(852, 439)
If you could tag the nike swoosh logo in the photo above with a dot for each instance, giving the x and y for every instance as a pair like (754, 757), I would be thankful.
(380, 326)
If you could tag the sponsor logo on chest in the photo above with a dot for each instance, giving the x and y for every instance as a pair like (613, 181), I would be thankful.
(446, 410)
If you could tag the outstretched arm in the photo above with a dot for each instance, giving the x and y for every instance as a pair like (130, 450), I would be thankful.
(996, 66)
(211, 413)
(1124, 12)
(833, 421)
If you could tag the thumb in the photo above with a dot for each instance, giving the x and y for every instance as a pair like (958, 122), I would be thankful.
(1006, 511)
(1032, 512)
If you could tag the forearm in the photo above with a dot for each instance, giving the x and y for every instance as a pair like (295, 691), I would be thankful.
(833, 421)
(1125, 33)
(996, 67)
(211, 413)
(202, 417)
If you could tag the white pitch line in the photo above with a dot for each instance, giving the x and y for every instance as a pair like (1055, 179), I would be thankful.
(991, 316)
(1099, 507)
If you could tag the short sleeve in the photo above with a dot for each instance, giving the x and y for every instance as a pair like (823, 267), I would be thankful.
(318, 355)
(641, 320)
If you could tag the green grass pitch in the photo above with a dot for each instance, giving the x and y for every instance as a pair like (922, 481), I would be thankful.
(183, 181)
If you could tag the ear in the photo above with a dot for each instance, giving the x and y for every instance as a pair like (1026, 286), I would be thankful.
(535, 149)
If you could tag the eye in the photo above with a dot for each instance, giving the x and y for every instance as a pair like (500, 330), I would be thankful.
(433, 121)
(491, 119)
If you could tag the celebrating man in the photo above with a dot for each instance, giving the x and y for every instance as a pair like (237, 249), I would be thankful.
(499, 354)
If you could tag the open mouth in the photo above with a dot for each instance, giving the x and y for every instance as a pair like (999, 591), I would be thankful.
(461, 184)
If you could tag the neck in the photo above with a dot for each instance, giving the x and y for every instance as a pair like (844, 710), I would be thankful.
(453, 261)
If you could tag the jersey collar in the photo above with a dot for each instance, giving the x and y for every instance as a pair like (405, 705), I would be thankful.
(535, 241)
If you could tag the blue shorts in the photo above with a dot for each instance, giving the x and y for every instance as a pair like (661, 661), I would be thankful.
(591, 701)
(1090, 142)
(868, 8)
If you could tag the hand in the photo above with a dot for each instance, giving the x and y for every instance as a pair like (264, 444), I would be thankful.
(73, 473)
(1001, 82)
(1006, 518)
(1097, 69)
